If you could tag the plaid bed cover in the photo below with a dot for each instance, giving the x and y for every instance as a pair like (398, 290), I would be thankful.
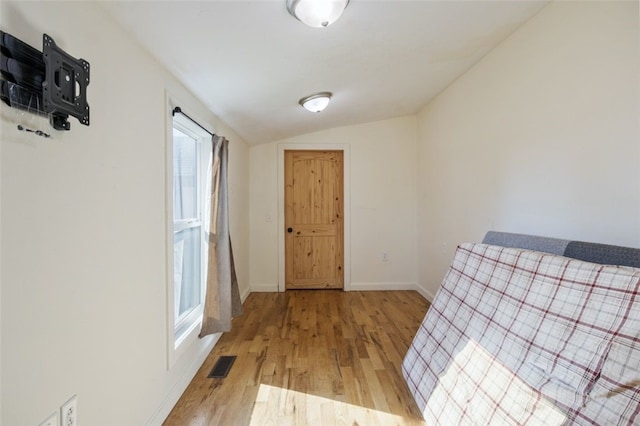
(522, 337)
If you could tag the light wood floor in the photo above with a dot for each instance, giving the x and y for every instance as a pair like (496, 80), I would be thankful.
(311, 358)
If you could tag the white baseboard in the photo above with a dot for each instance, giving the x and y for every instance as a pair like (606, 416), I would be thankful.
(383, 286)
(392, 286)
(180, 386)
(273, 288)
(425, 293)
(264, 288)
(245, 294)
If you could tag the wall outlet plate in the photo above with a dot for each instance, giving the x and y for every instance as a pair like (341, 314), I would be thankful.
(69, 412)
(52, 420)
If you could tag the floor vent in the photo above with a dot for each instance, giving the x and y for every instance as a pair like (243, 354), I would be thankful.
(222, 367)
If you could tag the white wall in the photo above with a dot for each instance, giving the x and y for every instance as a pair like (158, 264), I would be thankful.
(539, 137)
(84, 285)
(383, 204)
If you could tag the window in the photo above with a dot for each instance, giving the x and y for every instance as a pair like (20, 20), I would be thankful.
(190, 225)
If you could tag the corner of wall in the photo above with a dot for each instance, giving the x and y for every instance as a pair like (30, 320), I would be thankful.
(245, 293)
(425, 293)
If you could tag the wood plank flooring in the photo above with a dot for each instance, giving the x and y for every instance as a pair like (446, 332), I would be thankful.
(311, 357)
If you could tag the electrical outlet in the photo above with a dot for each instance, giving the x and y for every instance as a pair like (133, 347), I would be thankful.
(52, 420)
(69, 412)
(385, 256)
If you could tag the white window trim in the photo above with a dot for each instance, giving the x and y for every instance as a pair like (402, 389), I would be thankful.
(176, 347)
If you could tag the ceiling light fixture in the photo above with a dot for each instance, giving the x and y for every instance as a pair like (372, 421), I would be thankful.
(317, 13)
(316, 102)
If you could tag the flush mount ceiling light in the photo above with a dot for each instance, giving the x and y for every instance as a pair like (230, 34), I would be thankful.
(317, 13)
(316, 102)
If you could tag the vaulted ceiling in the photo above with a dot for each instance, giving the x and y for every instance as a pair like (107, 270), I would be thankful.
(250, 61)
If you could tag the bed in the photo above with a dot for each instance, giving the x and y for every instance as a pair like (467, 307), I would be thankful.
(531, 330)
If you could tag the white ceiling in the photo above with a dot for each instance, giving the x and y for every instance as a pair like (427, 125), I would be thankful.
(250, 61)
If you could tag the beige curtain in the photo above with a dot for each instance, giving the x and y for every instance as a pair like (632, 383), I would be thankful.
(222, 298)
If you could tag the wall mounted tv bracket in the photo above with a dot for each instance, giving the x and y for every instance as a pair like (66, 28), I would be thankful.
(50, 82)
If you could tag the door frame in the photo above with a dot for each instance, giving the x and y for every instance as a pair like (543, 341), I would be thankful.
(346, 171)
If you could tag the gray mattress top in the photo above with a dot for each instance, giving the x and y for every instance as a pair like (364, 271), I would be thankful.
(589, 252)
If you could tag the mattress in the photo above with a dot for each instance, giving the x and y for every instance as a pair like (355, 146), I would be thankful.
(516, 336)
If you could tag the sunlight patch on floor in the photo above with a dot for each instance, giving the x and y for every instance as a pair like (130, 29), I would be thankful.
(278, 406)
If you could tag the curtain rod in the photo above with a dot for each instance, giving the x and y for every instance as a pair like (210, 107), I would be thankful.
(178, 110)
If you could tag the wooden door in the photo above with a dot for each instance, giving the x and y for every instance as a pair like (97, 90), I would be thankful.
(313, 198)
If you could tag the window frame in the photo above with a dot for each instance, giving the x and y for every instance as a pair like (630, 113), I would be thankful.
(184, 332)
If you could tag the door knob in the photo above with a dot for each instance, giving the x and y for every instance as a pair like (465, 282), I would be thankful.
(289, 230)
